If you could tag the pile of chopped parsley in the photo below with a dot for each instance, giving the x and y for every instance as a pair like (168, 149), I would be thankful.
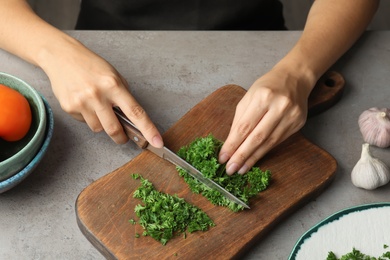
(357, 255)
(202, 153)
(162, 216)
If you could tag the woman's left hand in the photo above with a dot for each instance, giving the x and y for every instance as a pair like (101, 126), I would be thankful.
(274, 108)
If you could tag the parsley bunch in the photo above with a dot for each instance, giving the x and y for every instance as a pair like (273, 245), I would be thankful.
(202, 153)
(164, 215)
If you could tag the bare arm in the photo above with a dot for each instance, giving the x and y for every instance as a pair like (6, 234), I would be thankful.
(332, 27)
(275, 106)
(86, 85)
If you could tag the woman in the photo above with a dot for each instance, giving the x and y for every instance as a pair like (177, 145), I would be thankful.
(274, 107)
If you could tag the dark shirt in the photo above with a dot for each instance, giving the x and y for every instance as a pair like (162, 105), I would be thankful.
(180, 15)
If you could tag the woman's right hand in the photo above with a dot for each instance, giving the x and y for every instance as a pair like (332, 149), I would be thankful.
(88, 87)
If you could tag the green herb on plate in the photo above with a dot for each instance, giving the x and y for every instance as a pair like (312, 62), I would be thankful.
(357, 255)
(202, 153)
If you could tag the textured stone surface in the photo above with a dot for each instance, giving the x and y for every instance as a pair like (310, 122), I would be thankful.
(170, 72)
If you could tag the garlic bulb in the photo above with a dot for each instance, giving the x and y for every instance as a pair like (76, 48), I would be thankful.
(374, 125)
(369, 173)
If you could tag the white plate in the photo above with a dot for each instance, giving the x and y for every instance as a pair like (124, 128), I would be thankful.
(365, 228)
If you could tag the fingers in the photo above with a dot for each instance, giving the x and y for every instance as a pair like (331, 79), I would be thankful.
(138, 116)
(95, 107)
(265, 136)
(133, 110)
(264, 118)
(244, 148)
(92, 91)
(110, 124)
(102, 119)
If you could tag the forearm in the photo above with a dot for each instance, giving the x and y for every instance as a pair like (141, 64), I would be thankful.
(86, 85)
(26, 35)
(332, 27)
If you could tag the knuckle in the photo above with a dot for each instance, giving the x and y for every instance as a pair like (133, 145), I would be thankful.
(298, 117)
(113, 130)
(67, 108)
(258, 139)
(72, 106)
(296, 112)
(96, 128)
(301, 123)
(285, 103)
(228, 147)
(241, 157)
(243, 129)
(89, 93)
(272, 141)
(267, 94)
(137, 112)
(110, 82)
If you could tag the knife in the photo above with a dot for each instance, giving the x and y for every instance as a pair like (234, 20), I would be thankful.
(136, 136)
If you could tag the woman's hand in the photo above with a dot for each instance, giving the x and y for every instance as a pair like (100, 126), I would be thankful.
(88, 87)
(274, 108)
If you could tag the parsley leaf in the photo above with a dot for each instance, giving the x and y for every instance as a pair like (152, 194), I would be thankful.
(357, 255)
(164, 215)
(202, 153)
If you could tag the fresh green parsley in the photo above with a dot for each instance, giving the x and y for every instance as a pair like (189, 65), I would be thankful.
(357, 255)
(202, 153)
(162, 215)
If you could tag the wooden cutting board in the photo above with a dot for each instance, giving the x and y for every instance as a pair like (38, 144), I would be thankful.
(300, 171)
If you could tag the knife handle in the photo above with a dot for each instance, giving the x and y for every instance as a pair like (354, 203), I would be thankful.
(130, 129)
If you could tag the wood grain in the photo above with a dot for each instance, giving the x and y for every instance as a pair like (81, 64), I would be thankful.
(300, 171)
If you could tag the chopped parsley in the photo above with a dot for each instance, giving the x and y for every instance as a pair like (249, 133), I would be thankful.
(202, 153)
(357, 255)
(163, 215)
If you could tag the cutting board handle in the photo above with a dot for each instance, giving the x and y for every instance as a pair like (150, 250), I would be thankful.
(326, 93)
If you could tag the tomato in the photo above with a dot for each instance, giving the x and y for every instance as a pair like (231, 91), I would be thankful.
(15, 114)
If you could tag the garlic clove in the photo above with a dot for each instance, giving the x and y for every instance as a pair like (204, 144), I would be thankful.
(369, 173)
(374, 125)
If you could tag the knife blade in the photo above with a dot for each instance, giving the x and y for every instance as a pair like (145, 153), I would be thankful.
(136, 136)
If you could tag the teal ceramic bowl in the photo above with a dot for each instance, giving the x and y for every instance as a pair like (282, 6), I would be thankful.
(17, 178)
(14, 156)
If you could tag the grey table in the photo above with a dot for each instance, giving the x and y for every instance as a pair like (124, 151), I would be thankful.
(170, 72)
